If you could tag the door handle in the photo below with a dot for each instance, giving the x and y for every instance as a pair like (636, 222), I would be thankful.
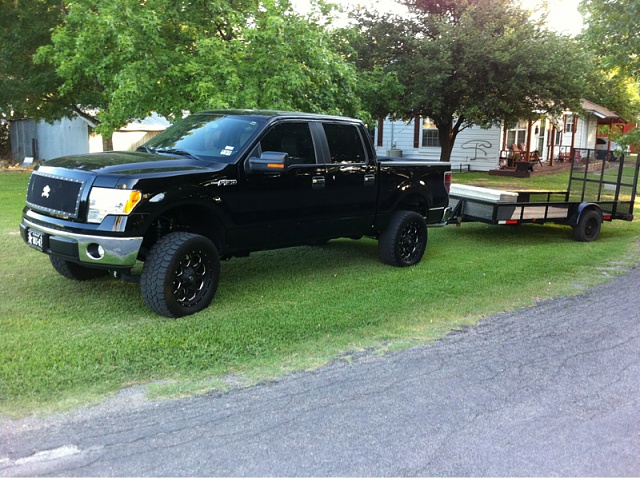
(369, 179)
(317, 182)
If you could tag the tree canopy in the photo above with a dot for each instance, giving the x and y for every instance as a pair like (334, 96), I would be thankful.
(121, 59)
(611, 31)
(458, 62)
(27, 89)
(469, 62)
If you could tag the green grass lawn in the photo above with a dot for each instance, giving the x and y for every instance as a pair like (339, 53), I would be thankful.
(65, 343)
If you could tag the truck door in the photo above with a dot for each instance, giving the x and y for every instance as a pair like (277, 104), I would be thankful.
(350, 179)
(282, 208)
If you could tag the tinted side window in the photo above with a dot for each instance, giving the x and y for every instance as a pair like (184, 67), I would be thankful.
(345, 144)
(291, 138)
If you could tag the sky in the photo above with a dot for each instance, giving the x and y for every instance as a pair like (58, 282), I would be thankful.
(563, 14)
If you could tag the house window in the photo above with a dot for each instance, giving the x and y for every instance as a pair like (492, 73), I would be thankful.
(568, 124)
(517, 135)
(430, 136)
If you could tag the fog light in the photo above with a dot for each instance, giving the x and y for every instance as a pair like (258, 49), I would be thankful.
(95, 251)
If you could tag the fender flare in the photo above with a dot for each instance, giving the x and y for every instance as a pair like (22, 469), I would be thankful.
(574, 218)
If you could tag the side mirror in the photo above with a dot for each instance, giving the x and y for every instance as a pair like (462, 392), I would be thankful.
(269, 162)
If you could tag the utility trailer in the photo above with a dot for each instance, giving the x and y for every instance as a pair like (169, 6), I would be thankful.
(599, 190)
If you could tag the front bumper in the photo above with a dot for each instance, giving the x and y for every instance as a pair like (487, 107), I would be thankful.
(90, 250)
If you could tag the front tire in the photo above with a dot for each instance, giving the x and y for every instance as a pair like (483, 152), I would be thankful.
(404, 241)
(180, 275)
(74, 271)
(588, 227)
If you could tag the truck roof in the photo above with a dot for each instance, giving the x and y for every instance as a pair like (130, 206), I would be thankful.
(278, 113)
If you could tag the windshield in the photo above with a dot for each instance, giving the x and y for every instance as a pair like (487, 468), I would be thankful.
(212, 137)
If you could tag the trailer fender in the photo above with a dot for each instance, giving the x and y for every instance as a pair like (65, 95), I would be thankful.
(574, 218)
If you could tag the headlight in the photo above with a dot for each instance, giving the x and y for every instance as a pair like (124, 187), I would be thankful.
(105, 201)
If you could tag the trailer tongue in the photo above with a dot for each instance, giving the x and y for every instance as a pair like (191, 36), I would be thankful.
(598, 191)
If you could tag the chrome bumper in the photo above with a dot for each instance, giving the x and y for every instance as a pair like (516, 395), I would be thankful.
(91, 250)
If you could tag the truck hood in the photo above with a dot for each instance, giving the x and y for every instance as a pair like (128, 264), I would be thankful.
(131, 163)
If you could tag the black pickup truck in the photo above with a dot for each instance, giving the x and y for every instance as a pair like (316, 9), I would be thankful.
(219, 184)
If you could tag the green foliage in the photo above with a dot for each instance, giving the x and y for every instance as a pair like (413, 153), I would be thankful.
(616, 90)
(28, 89)
(65, 342)
(128, 58)
(612, 32)
(625, 141)
(470, 62)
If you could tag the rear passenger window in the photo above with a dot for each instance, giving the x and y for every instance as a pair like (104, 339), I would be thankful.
(345, 144)
(291, 138)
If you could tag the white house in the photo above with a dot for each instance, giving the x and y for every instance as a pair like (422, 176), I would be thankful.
(476, 149)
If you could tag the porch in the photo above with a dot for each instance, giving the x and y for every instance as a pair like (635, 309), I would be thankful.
(527, 169)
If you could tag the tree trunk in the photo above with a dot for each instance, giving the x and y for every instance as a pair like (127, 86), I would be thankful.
(446, 143)
(447, 132)
(107, 143)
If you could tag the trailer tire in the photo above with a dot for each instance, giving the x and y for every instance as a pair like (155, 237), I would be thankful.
(180, 275)
(588, 227)
(404, 241)
(74, 271)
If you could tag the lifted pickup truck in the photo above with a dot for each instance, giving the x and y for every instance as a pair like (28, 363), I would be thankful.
(220, 184)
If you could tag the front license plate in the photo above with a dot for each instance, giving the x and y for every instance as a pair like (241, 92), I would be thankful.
(35, 239)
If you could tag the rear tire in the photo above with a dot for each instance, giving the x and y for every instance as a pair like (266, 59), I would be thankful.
(404, 241)
(588, 227)
(180, 275)
(75, 271)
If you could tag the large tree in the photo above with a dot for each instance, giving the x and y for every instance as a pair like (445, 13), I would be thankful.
(27, 89)
(115, 60)
(612, 32)
(614, 89)
(471, 62)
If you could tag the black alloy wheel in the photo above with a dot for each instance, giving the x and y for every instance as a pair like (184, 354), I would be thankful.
(404, 241)
(180, 275)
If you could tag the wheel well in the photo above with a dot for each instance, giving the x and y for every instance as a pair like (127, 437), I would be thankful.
(414, 203)
(186, 218)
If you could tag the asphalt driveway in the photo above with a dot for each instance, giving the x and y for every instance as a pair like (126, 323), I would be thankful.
(549, 390)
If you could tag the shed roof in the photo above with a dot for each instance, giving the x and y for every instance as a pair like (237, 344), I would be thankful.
(600, 111)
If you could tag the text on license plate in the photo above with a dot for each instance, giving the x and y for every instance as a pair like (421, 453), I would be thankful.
(35, 239)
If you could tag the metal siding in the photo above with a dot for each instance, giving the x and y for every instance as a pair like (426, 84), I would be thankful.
(22, 134)
(479, 148)
(62, 138)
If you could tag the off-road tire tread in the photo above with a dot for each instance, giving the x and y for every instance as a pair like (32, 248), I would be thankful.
(388, 239)
(74, 271)
(156, 268)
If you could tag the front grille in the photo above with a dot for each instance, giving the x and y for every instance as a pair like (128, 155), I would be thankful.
(55, 195)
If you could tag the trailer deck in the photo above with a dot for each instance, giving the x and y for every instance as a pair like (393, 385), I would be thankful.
(599, 190)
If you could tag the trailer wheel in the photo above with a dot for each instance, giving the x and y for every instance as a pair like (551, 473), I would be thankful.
(404, 241)
(588, 227)
(180, 275)
(74, 271)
